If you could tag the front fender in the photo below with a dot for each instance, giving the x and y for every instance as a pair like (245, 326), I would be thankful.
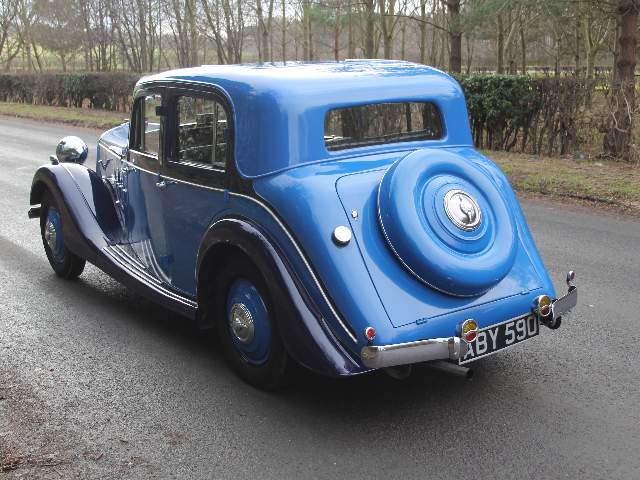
(88, 213)
(304, 331)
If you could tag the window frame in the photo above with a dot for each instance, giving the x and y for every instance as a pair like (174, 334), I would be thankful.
(146, 160)
(199, 173)
(373, 143)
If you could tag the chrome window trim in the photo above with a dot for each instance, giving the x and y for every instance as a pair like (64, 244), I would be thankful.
(325, 297)
(202, 166)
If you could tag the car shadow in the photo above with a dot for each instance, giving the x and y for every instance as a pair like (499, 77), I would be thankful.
(357, 398)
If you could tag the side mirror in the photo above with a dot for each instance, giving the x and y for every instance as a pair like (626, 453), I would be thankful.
(72, 149)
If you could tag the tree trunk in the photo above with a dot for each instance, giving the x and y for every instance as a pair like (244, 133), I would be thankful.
(423, 31)
(336, 35)
(578, 41)
(387, 12)
(270, 29)
(403, 41)
(455, 36)
(433, 51)
(284, 31)
(500, 46)
(351, 46)
(261, 43)
(369, 6)
(617, 141)
(616, 54)
(307, 45)
(523, 48)
(557, 59)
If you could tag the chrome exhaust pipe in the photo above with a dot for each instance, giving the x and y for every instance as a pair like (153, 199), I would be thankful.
(453, 368)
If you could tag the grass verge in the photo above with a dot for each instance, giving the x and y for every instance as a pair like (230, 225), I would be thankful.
(81, 117)
(608, 184)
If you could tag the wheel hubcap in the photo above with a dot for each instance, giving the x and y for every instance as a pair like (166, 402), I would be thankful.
(50, 234)
(248, 322)
(241, 323)
(53, 234)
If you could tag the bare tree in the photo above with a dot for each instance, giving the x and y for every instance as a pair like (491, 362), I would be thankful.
(183, 15)
(618, 139)
(224, 24)
(9, 48)
(598, 25)
(58, 28)
(455, 36)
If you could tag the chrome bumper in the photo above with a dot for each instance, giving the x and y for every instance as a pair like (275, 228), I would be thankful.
(451, 348)
(565, 304)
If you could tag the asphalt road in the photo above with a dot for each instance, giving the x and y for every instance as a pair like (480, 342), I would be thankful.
(96, 382)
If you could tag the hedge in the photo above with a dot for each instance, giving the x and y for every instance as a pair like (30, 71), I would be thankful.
(521, 113)
(527, 114)
(108, 91)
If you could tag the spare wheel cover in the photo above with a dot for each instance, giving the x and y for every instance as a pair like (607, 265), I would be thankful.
(447, 222)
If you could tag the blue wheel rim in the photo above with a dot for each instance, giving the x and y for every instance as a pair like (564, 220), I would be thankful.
(53, 234)
(248, 322)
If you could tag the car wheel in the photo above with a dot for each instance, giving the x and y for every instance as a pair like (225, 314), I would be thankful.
(247, 327)
(66, 264)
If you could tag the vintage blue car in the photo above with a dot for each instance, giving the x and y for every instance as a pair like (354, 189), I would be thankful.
(329, 215)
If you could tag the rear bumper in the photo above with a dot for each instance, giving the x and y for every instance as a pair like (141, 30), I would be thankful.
(382, 356)
(452, 348)
(565, 304)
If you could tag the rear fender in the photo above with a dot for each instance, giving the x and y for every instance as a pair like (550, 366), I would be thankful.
(304, 331)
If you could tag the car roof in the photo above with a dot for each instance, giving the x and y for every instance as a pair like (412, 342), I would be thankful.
(293, 78)
(280, 108)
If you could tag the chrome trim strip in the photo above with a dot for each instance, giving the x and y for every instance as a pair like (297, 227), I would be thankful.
(382, 356)
(325, 297)
(111, 148)
(149, 281)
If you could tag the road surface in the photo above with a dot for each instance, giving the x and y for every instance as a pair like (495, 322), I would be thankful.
(96, 382)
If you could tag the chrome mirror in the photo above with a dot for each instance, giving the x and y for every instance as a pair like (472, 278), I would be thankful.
(72, 149)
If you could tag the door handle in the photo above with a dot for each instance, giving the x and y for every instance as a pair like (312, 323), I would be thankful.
(104, 164)
(162, 184)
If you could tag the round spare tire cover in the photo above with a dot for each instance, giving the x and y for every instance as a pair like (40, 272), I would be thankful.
(447, 222)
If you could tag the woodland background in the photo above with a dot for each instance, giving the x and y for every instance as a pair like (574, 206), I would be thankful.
(541, 76)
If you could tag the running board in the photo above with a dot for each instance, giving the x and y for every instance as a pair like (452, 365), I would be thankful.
(136, 271)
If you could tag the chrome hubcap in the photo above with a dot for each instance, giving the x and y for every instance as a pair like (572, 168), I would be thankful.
(50, 235)
(462, 209)
(241, 323)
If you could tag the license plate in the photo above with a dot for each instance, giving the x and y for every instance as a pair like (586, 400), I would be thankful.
(497, 337)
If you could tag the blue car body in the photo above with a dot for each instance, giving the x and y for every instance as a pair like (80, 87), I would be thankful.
(405, 271)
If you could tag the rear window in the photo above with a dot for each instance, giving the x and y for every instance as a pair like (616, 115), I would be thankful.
(376, 124)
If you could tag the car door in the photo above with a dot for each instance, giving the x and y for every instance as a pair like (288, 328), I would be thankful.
(195, 169)
(143, 207)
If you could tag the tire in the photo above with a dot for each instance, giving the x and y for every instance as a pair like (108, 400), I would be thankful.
(254, 349)
(416, 221)
(65, 263)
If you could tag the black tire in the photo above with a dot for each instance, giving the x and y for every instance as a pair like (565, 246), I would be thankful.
(65, 263)
(273, 373)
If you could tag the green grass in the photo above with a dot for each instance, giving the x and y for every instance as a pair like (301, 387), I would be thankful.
(606, 183)
(83, 117)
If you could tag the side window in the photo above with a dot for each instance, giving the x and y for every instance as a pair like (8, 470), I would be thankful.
(151, 135)
(202, 132)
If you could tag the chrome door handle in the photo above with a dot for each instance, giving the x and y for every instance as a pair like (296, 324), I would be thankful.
(162, 184)
(104, 164)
